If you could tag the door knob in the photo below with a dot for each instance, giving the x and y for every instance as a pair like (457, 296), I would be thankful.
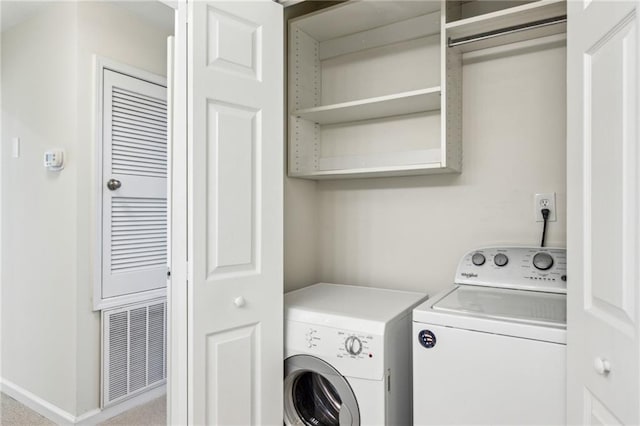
(114, 184)
(602, 366)
(239, 302)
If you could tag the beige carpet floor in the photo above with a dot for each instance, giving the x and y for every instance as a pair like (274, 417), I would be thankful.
(150, 414)
(13, 413)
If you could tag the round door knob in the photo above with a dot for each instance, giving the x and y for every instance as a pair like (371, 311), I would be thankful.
(114, 184)
(543, 261)
(500, 259)
(602, 366)
(239, 302)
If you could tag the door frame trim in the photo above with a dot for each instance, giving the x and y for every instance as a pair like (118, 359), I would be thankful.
(179, 402)
(100, 64)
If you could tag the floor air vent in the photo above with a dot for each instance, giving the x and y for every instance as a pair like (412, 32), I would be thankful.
(134, 355)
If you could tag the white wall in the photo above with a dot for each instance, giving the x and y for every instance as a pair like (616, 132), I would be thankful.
(113, 32)
(51, 336)
(410, 232)
(39, 217)
(301, 233)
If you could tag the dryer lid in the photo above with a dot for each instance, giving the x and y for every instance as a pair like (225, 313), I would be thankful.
(533, 307)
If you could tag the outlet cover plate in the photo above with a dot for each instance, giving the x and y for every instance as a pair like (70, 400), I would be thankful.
(542, 200)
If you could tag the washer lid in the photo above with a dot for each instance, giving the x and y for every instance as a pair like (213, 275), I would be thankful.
(532, 307)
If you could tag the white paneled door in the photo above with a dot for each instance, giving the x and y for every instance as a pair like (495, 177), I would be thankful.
(134, 185)
(604, 234)
(234, 214)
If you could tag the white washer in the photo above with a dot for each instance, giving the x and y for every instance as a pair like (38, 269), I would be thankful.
(491, 349)
(348, 355)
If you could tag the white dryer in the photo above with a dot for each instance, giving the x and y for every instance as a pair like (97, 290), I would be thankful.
(348, 356)
(491, 348)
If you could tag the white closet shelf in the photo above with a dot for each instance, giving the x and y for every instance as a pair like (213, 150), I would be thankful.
(513, 16)
(399, 163)
(365, 172)
(414, 101)
(357, 16)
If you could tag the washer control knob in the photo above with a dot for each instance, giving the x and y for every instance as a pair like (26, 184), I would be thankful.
(478, 259)
(353, 345)
(500, 259)
(543, 261)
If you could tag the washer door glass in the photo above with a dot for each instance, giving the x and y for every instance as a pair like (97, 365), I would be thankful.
(317, 395)
(316, 400)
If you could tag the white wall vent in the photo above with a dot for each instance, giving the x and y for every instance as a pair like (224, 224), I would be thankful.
(134, 350)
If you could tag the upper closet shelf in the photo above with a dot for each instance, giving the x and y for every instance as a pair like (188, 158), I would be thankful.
(534, 12)
(383, 106)
(354, 17)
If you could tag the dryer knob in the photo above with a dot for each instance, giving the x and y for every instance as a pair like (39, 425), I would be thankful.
(353, 345)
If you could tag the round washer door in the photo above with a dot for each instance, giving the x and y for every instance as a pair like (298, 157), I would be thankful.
(316, 394)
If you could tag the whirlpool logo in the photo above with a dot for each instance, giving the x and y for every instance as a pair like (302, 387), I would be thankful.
(469, 275)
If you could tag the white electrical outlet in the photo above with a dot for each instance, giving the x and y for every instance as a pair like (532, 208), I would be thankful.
(546, 200)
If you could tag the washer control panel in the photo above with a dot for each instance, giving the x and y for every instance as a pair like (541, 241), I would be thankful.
(359, 352)
(529, 268)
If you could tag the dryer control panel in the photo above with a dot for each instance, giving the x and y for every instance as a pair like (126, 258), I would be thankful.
(527, 268)
(353, 353)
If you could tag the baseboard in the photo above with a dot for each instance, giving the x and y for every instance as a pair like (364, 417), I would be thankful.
(62, 417)
(37, 404)
(97, 416)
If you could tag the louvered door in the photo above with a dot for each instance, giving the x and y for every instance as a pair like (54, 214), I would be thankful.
(134, 191)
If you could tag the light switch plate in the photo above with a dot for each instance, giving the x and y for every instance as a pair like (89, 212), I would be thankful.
(15, 147)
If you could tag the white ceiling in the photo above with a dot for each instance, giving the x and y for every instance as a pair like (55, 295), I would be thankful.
(154, 11)
(13, 12)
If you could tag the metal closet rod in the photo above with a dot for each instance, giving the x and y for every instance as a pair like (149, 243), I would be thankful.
(505, 31)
